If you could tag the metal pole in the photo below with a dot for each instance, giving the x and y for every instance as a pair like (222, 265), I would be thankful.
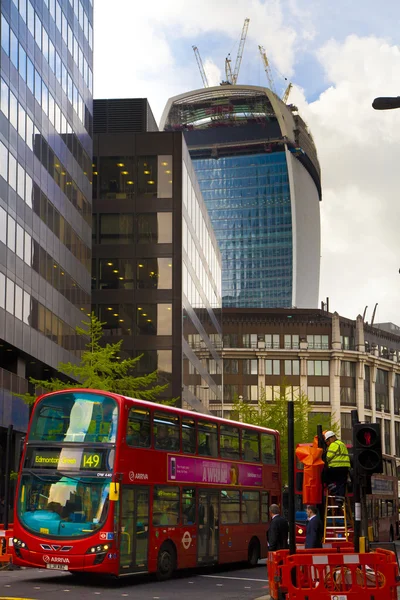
(7, 476)
(356, 492)
(292, 527)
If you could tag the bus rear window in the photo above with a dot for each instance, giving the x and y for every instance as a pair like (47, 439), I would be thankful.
(75, 417)
(268, 449)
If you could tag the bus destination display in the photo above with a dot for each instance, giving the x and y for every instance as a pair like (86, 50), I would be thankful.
(73, 459)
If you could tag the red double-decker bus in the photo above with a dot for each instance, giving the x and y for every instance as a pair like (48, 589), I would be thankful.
(115, 485)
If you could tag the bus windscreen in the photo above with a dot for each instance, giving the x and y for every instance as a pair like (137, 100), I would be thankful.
(75, 417)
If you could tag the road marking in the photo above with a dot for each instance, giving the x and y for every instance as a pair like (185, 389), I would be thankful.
(240, 578)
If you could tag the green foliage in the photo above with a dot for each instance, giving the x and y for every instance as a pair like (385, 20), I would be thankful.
(101, 369)
(273, 414)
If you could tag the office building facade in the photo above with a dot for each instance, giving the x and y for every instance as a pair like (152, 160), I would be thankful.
(45, 191)
(156, 265)
(338, 363)
(258, 171)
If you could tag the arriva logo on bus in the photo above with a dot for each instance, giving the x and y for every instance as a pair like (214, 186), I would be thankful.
(55, 559)
(133, 476)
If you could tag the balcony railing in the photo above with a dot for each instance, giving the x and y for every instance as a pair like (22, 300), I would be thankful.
(12, 382)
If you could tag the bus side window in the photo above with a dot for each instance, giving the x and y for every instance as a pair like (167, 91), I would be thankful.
(264, 507)
(268, 448)
(250, 507)
(166, 431)
(165, 505)
(230, 507)
(188, 436)
(138, 429)
(250, 446)
(229, 442)
(207, 434)
(188, 506)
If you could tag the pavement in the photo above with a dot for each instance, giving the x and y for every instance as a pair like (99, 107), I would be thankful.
(232, 582)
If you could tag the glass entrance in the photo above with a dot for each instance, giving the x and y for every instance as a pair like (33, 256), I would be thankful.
(208, 527)
(134, 532)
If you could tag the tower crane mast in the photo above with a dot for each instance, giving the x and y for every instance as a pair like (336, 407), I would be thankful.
(267, 68)
(240, 51)
(286, 93)
(200, 65)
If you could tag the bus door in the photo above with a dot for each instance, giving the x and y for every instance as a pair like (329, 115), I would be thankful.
(208, 527)
(134, 529)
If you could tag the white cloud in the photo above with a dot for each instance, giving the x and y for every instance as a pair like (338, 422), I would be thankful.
(358, 151)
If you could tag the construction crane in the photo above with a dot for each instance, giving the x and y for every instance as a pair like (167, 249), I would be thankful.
(267, 68)
(287, 92)
(233, 77)
(200, 65)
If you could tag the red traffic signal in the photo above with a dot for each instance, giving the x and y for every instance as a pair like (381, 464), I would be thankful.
(367, 445)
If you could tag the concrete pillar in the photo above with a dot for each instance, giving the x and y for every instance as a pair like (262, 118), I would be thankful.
(360, 342)
(360, 374)
(303, 375)
(373, 399)
(391, 378)
(334, 389)
(336, 343)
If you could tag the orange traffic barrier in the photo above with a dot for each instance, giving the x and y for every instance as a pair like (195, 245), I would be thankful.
(335, 573)
(6, 536)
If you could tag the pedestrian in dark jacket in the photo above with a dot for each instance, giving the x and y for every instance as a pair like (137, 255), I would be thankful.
(314, 531)
(277, 535)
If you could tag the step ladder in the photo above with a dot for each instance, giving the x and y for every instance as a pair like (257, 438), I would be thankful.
(337, 520)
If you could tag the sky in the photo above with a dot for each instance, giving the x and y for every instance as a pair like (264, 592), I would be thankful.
(339, 55)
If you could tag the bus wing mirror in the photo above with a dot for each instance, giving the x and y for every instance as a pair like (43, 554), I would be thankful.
(114, 491)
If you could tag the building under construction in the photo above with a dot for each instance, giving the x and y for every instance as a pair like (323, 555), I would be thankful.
(258, 171)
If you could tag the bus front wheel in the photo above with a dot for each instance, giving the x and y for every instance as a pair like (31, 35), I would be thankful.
(166, 561)
(253, 552)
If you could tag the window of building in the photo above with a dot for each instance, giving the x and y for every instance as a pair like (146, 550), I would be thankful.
(138, 429)
(115, 273)
(250, 445)
(367, 387)
(272, 340)
(292, 341)
(387, 436)
(272, 392)
(166, 431)
(116, 177)
(154, 273)
(230, 392)
(229, 442)
(155, 176)
(230, 507)
(347, 396)
(116, 229)
(250, 366)
(346, 428)
(397, 437)
(318, 367)
(250, 393)
(230, 340)
(231, 366)
(249, 340)
(154, 319)
(318, 394)
(318, 342)
(292, 367)
(154, 228)
(272, 367)
(347, 368)
(118, 319)
(207, 438)
(166, 506)
(188, 436)
(250, 507)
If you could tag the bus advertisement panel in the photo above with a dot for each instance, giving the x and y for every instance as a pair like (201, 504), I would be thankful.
(115, 485)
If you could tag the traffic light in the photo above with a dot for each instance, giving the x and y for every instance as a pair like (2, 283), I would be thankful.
(367, 444)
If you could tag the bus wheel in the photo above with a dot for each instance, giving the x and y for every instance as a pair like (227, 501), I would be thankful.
(166, 561)
(391, 535)
(254, 552)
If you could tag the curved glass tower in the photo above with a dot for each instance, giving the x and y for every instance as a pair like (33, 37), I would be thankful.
(258, 171)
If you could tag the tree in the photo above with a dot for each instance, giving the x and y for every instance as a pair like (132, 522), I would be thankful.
(273, 414)
(100, 368)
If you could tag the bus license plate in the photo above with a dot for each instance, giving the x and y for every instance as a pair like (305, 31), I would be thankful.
(57, 567)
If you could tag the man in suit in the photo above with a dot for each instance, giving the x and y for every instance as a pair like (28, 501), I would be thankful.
(277, 535)
(314, 531)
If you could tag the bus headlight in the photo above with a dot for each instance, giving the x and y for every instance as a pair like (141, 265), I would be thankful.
(19, 544)
(98, 549)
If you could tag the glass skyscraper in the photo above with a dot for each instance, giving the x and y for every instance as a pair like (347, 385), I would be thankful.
(45, 190)
(258, 171)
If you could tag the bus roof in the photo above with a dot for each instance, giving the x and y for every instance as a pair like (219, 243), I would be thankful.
(149, 404)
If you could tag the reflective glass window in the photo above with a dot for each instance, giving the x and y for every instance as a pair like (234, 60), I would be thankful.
(4, 96)
(117, 318)
(116, 273)
(20, 242)
(268, 448)
(3, 161)
(10, 293)
(116, 177)
(2, 290)
(250, 507)
(154, 228)
(154, 319)
(12, 171)
(30, 75)
(18, 302)
(13, 111)
(116, 229)
(230, 507)
(3, 226)
(166, 431)
(154, 273)
(164, 179)
(5, 35)
(138, 429)
(207, 438)
(166, 506)
(229, 442)
(188, 436)
(14, 49)
(250, 446)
